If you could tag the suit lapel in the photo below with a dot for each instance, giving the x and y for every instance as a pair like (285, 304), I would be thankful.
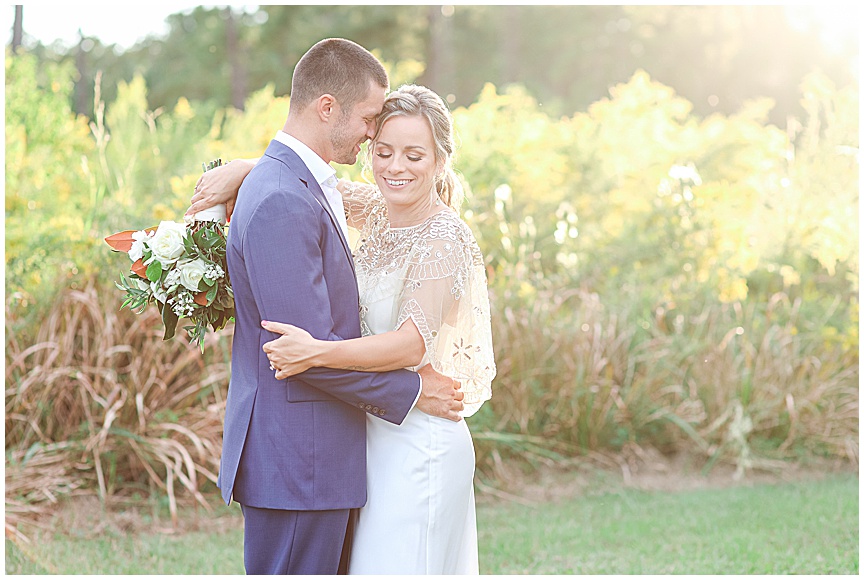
(322, 199)
(287, 156)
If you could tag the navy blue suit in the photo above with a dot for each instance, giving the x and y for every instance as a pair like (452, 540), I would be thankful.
(296, 445)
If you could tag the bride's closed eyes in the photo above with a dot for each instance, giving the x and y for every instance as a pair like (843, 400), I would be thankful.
(384, 150)
(389, 155)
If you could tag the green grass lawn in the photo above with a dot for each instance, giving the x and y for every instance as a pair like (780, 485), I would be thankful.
(801, 528)
(798, 528)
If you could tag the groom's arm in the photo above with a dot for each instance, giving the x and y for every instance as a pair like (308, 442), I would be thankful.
(281, 247)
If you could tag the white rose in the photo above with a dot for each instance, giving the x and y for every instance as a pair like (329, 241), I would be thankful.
(173, 278)
(136, 252)
(167, 243)
(191, 273)
(158, 292)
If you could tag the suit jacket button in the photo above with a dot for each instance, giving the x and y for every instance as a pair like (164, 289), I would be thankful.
(374, 409)
(361, 405)
(368, 407)
(381, 412)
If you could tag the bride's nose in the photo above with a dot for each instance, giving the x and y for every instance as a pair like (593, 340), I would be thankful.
(396, 164)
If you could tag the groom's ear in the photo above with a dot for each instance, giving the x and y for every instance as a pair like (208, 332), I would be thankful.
(326, 107)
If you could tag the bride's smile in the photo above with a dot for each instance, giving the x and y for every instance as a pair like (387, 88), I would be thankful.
(397, 183)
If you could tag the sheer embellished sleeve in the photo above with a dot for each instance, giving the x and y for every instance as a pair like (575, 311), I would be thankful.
(361, 200)
(446, 296)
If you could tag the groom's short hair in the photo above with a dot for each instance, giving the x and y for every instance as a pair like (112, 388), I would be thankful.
(337, 67)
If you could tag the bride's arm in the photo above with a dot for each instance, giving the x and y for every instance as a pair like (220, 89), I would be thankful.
(296, 350)
(220, 185)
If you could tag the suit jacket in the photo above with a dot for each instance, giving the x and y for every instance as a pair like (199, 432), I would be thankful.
(300, 443)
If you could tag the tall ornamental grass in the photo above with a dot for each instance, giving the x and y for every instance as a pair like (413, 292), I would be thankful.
(98, 403)
(745, 383)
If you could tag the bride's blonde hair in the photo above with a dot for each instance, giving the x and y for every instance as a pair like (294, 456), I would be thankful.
(416, 100)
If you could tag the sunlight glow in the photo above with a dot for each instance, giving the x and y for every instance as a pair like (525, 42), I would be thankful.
(836, 24)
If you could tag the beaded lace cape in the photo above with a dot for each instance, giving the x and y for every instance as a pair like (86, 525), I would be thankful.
(436, 272)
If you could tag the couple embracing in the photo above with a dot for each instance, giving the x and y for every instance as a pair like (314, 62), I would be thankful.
(344, 442)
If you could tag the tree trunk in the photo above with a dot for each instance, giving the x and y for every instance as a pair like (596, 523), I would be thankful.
(17, 28)
(235, 59)
(511, 44)
(439, 53)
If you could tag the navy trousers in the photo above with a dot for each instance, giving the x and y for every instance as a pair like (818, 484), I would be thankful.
(297, 542)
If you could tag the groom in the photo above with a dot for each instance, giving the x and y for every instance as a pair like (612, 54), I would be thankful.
(294, 451)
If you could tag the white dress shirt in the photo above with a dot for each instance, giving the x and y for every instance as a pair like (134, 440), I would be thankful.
(323, 174)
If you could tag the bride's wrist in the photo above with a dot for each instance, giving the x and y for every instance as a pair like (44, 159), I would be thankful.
(323, 353)
(247, 164)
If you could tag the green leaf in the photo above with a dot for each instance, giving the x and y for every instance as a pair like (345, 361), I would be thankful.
(226, 301)
(169, 319)
(189, 244)
(198, 238)
(154, 271)
(221, 321)
(218, 243)
(211, 294)
(207, 239)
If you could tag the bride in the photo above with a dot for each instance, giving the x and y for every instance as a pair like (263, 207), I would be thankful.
(421, 279)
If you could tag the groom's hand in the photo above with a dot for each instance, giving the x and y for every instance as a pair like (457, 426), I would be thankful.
(440, 395)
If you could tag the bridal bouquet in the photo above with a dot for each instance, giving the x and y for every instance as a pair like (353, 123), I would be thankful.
(181, 269)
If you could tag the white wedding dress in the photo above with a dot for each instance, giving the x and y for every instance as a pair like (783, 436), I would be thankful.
(419, 516)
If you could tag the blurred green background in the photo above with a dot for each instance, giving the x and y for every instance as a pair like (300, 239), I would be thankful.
(666, 196)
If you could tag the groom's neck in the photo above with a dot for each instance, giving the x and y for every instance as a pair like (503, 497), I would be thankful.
(311, 134)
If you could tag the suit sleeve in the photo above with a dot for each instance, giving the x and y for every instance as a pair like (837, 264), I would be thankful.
(282, 250)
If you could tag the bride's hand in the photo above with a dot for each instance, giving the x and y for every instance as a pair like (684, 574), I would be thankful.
(220, 185)
(293, 352)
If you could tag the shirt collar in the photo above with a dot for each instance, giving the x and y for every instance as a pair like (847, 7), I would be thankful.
(319, 168)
